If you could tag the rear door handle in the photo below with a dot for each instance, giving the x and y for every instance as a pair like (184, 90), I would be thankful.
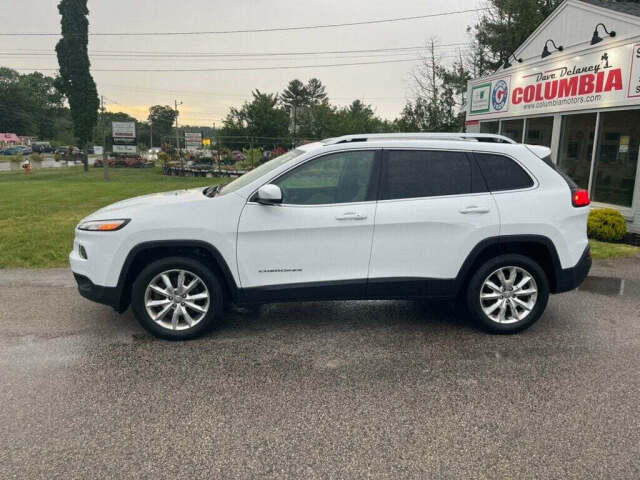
(474, 209)
(351, 216)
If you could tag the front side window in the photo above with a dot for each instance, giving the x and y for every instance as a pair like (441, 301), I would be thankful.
(260, 171)
(342, 177)
(502, 173)
(423, 173)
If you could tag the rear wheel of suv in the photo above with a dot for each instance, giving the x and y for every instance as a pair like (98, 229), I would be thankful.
(507, 293)
(177, 298)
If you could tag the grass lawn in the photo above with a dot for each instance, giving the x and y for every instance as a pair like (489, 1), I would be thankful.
(38, 212)
(612, 250)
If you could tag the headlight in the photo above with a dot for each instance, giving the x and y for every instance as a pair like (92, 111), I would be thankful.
(103, 225)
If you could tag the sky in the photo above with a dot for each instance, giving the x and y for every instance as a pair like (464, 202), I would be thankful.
(207, 96)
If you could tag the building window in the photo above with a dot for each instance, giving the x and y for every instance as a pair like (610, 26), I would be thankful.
(513, 129)
(489, 127)
(576, 146)
(539, 131)
(616, 157)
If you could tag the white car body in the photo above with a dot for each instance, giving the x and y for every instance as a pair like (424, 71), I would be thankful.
(367, 249)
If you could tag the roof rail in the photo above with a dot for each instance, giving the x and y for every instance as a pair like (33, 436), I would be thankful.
(369, 137)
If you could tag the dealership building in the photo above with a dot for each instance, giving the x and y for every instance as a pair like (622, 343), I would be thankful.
(574, 86)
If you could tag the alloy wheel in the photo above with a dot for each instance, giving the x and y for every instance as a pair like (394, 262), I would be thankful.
(177, 299)
(508, 295)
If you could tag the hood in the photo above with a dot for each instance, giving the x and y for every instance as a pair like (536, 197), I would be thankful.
(152, 200)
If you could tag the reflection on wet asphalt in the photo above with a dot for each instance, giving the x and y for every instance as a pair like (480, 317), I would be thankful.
(611, 286)
(320, 390)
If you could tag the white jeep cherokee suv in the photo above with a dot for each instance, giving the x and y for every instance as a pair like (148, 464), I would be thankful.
(404, 216)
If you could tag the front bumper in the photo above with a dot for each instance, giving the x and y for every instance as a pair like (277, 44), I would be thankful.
(106, 295)
(571, 278)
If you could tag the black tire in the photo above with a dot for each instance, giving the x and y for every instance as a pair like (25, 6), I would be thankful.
(475, 286)
(214, 308)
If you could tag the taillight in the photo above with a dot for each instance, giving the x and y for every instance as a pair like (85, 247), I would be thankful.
(580, 198)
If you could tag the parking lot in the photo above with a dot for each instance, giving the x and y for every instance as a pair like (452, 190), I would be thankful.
(333, 390)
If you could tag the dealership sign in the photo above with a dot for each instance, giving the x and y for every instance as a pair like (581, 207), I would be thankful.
(124, 130)
(604, 78)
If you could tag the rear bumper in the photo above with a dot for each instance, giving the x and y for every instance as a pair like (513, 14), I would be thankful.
(571, 278)
(96, 293)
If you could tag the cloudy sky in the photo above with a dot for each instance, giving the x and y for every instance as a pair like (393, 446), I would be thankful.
(207, 95)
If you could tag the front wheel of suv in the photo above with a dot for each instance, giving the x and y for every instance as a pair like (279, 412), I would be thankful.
(177, 298)
(507, 293)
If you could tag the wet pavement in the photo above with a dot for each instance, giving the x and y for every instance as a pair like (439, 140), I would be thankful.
(327, 390)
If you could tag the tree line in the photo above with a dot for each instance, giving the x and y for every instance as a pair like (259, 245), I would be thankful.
(66, 108)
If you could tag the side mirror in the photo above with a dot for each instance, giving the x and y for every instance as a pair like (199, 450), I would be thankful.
(269, 194)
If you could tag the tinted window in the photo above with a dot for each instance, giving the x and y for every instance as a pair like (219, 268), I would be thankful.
(342, 177)
(416, 173)
(502, 173)
(258, 172)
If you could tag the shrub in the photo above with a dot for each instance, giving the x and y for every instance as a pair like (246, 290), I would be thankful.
(35, 157)
(606, 224)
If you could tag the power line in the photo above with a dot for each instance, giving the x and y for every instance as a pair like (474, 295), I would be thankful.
(236, 69)
(259, 30)
(126, 53)
(260, 59)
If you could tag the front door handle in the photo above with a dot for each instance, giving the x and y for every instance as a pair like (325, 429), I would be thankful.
(351, 216)
(474, 209)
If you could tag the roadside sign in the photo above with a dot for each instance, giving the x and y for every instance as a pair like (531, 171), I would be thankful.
(122, 130)
(125, 149)
(97, 150)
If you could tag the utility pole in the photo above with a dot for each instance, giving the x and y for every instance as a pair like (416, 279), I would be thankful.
(251, 150)
(150, 134)
(105, 157)
(178, 137)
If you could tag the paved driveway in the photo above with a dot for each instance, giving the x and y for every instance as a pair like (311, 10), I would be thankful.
(333, 390)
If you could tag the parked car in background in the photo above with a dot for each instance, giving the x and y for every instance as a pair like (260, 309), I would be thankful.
(399, 216)
(64, 150)
(16, 150)
(152, 153)
(42, 147)
(125, 162)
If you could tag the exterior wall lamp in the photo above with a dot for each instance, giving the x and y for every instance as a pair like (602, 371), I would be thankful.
(545, 50)
(596, 38)
(507, 64)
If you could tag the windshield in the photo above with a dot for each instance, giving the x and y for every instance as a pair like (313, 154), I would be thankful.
(257, 172)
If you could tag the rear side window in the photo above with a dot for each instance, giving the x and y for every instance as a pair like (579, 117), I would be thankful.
(502, 173)
(422, 173)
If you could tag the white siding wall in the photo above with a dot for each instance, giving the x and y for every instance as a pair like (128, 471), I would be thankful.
(573, 27)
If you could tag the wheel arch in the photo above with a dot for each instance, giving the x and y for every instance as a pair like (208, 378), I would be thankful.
(537, 247)
(144, 253)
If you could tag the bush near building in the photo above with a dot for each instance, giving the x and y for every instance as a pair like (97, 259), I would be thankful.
(607, 225)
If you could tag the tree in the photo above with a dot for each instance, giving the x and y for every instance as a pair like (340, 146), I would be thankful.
(162, 118)
(295, 95)
(75, 79)
(439, 95)
(316, 93)
(29, 104)
(263, 118)
(359, 117)
(503, 28)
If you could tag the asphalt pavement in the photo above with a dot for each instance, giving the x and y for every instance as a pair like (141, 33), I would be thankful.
(321, 390)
